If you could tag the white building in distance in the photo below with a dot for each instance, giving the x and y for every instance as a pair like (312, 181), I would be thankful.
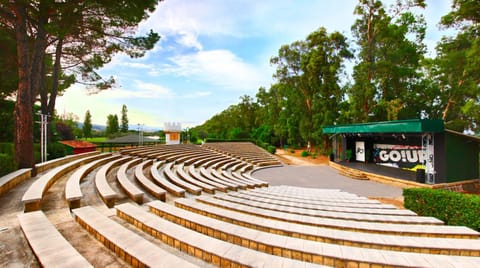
(172, 132)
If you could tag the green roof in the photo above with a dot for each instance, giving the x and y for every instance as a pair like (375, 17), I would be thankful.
(399, 126)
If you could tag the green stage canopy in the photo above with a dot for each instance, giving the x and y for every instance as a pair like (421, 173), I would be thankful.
(400, 126)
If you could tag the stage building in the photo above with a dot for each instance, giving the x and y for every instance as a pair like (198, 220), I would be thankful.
(420, 147)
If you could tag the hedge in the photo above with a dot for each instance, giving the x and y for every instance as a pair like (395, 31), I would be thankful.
(7, 164)
(450, 207)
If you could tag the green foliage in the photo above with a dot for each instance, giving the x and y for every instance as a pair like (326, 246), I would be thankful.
(7, 164)
(87, 125)
(56, 150)
(6, 148)
(348, 154)
(271, 149)
(451, 207)
(124, 125)
(6, 117)
(305, 154)
(112, 125)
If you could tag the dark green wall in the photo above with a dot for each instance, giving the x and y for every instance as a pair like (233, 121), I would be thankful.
(461, 158)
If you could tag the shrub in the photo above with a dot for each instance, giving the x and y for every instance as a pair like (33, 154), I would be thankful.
(451, 207)
(55, 150)
(314, 155)
(6, 148)
(7, 164)
(292, 151)
(305, 154)
(271, 149)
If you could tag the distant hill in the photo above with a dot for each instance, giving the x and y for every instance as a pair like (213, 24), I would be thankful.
(98, 127)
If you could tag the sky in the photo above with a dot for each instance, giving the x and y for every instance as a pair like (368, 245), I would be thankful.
(211, 53)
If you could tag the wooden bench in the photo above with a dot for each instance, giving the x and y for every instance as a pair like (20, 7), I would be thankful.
(133, 192)
(370, 227)
(48, 245)
(182, 174)
(191, 188)
(33, 197)
(208, 175)
(127, 245)
(107, 193)
(73, 192)
(360, 217)
(448, 246)
(149, 185)
(163, 182)
(215, 251)
(194, 174)
(294, 247)
(331, 207)
(12, 179)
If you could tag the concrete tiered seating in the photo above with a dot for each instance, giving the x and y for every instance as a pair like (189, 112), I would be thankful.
(193, 189)
(11, 180)
(49, 246)
(107, 193)
(163, 182)
(448, 246)
(271, 226)
(149, 185)
(205, 173)
(135, 193)
(184, 175)
(212, 250)
(194, 174)
(331, 207)
(219, 176)
(33, 197)
(371, 227)
(73, 192)
(296, 248)
(245, 151)
(127, 245)
(357, 216)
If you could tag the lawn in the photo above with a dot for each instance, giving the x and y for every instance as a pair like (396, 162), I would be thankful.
(95, 139)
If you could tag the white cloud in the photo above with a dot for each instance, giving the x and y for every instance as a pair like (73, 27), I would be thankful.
(219, 67)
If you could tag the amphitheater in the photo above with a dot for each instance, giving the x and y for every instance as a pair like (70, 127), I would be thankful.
(203, 206)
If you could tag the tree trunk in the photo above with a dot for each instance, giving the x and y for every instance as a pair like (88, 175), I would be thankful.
(23, 136)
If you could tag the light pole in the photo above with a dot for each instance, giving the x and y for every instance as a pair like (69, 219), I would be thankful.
(43, 136)
(140, 134)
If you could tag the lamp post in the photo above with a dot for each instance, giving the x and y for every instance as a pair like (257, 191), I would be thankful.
(43, 136)
(140, 134)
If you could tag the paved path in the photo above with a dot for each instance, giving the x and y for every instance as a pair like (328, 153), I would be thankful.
(323, 176)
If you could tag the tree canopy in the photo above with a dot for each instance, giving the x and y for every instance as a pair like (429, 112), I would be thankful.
(392, 77)
(64, 41)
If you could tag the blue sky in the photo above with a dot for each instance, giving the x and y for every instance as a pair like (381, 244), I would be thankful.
(212, 52)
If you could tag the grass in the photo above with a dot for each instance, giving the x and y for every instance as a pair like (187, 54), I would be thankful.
(95, 139)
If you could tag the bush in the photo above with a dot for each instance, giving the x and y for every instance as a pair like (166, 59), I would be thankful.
(6, 148)
(271, 149)
(292, 151)
(305, 154)
(451, 207)
(7, 164)
(55, 150)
